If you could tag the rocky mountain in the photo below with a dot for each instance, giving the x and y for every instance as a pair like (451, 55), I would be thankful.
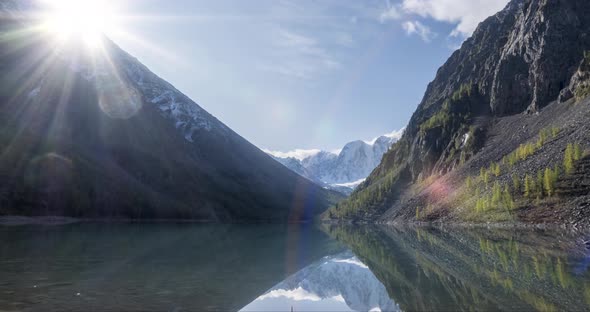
(335, 283)
(96, 134)
(491, 106)
(345, 170)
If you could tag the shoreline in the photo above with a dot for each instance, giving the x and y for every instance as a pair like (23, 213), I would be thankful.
(62, 220)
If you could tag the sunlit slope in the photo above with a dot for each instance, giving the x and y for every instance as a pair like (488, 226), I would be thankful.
(505, 106)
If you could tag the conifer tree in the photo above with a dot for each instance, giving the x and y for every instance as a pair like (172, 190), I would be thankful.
(539, 183)
(507, 198)
(548, 181)
(528, 186)
(496, 194)
(568, 159)
(516, 183)
(497, 170)
(469, 184)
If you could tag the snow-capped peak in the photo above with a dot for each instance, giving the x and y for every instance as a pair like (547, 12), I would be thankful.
(299, 154)
(395, 135)
(344, 168)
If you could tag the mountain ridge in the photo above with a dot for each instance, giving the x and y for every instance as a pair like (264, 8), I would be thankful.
(342, 170)
(100, 136)
(513, 64)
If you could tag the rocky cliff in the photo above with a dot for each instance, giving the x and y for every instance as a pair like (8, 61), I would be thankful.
(518, 61)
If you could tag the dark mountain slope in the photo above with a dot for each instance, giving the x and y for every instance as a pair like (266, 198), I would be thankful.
(517, 61)
(96, 134)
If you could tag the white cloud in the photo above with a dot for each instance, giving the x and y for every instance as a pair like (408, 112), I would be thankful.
(467, 13)
(417, 28)
(299, 56)
(391, 13)
(299, 154)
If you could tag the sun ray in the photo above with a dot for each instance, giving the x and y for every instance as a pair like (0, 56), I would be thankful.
(145, 44)
(87, 21)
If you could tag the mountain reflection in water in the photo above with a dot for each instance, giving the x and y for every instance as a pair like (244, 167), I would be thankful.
(425, 269)
(335, 283)
(193, 267)
(431, 269)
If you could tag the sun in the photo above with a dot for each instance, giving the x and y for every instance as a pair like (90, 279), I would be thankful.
(86, 20)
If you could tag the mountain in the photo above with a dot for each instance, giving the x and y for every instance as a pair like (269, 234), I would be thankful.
(344, 170)
(335, 283)
(489, 139)
(94, 133)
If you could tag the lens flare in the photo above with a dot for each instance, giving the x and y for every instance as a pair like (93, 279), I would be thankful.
(86, 20)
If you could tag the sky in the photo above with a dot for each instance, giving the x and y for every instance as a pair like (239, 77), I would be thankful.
(301, 74)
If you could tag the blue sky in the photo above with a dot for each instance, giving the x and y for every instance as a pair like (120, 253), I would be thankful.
(305, 74)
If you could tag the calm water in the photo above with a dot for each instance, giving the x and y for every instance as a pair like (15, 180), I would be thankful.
(187, 267)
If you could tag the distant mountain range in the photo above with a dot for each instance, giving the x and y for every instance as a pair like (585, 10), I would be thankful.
(98, 135)
(341, 170)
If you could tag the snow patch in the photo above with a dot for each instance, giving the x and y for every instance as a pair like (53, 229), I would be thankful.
(122, 71)
(297, 294)
(395, 135)
(345, 168)
(188, 117)
(466, 137)
(353, 261)
(352, 185)
(34, 93)
(299, 154)
(337, 283)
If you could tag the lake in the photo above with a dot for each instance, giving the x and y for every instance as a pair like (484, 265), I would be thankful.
(188, 267)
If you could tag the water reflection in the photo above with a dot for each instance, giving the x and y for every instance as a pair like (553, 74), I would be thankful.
(436, 269)
(187, 267)
(335, 283)
(150, 267)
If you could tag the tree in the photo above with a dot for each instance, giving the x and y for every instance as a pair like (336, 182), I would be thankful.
(529, 186)
(516, 183)
(507, 198)
(479, 205)
(469, 184)
(496, 194)
(542, 138)
(569, 159)
(554, 131)
(539, 183)
(549, 182)
(496, 169)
